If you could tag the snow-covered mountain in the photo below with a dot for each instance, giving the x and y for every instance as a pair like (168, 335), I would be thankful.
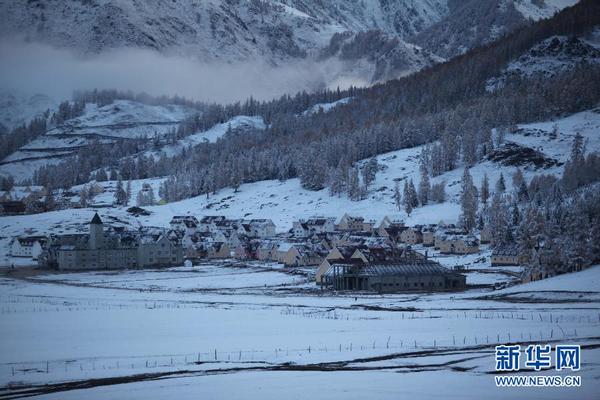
(210, 29)
(274, 32)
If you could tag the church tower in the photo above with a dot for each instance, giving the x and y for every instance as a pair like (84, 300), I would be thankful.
(96, 233)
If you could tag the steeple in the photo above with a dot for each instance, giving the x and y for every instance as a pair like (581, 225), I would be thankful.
(96, 220)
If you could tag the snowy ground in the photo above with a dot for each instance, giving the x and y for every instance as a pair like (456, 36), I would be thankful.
(186, 332)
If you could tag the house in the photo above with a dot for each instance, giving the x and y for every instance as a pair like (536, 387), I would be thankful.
(302, 255)
(206, 223)
(28, 246)
(363, 238)
(157, 249)
(349, 223)
(368, 226)
(365, 254)
(337, 253)
(12, 207)
(281, 251)
(400, 275)
(428, 235)
(392, 231)
(185, 223)
(267, 250)
(227, 236)
(196, 250)
(258, 228)
(247, 250)
(312, 226)
(485, 235)
(412, 235)
(196, 237)
(456, 243)
(385, 222)
(508, 255)
(101, 251)
(227, 225)
(217, 250)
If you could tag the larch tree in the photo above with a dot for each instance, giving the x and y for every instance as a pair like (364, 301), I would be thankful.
(500, 184)
(485, 190)
(468, 202)
(120, 194)
(397, 197)
(424, 186)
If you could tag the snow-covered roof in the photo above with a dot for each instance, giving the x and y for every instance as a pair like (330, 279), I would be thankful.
(391, 269)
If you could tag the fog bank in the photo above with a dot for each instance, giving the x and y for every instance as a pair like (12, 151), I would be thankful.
(37, 68)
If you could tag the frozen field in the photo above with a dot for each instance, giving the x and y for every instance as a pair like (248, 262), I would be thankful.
(226, 331)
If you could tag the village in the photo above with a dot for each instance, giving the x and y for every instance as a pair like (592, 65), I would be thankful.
(346, 254)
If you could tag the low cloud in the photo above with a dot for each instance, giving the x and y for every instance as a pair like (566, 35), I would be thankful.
(37, 68)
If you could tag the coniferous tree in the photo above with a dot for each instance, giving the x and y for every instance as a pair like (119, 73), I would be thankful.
(485, 190)
(120, 194)
(128, 193)
(50, 203)
(101, 175)
(522, 192)
(438, 192)
(500, 184)
(369, 171)
(354, 184)
(424, 186)
(518, 179)
(468, 201)
(397, 197)
(411, 199)
(498, 218)
(406, 199)
(84, 196)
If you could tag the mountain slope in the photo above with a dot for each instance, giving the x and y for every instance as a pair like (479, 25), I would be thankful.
(473, 23)
(377, 55)
(123, 120)
(18, 108)
(285, 202)
(210, 30)
(551, 57)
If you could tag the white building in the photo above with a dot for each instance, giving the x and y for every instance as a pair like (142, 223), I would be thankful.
(27, 246)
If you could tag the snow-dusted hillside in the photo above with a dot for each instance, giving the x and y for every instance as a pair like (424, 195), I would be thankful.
(19, 108)
(286, 201)
(123, 119)
(472, 23)
(536, 10)
(552, 56)
(376, 55)
(211, 135)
